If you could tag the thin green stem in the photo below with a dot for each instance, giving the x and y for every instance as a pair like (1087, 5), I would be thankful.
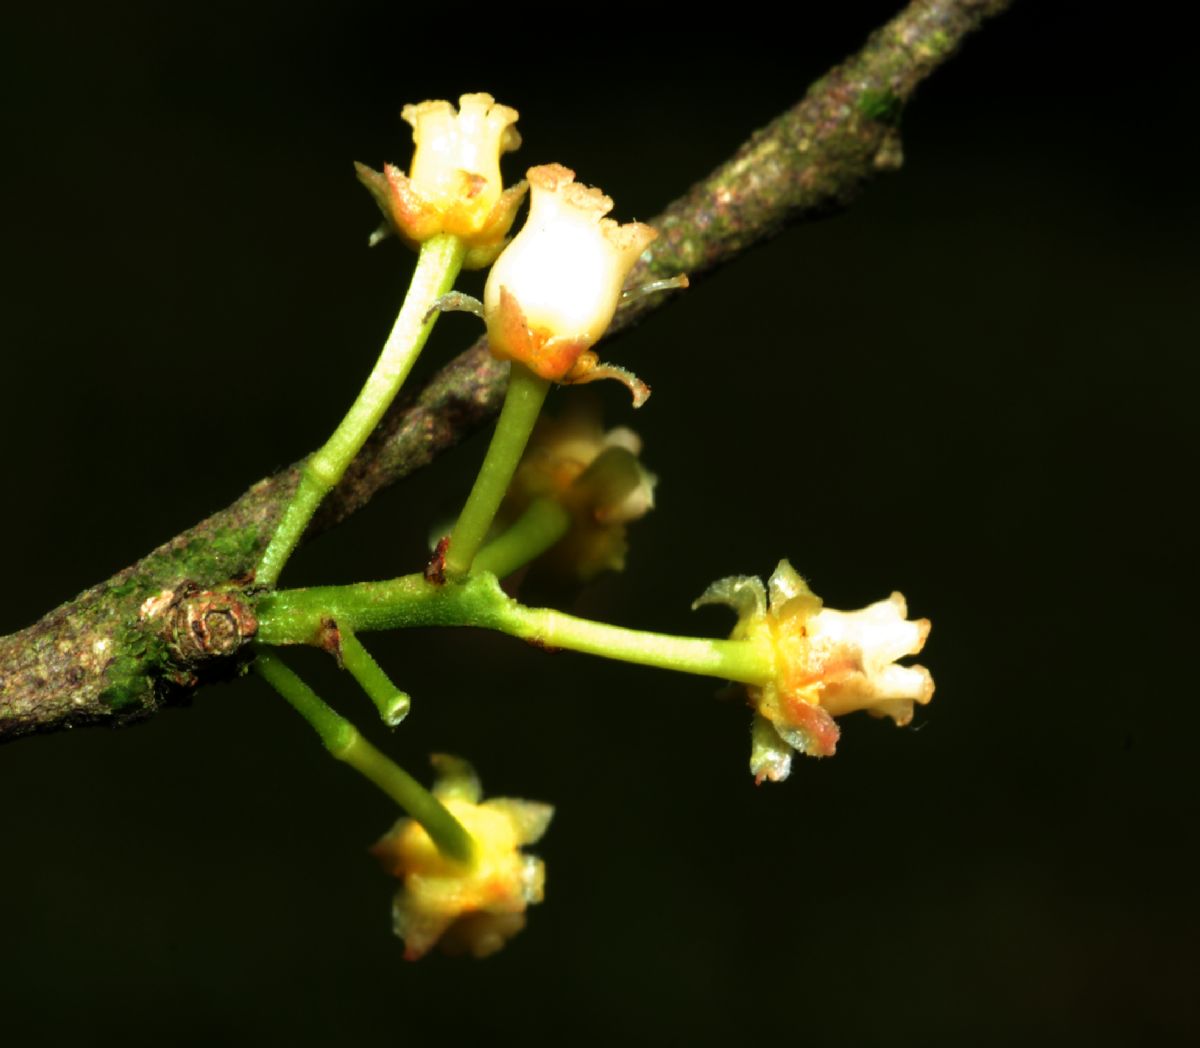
(296, 617)
(450, 836)
(335, 731)
(392, 703)
(543, 523)
(739, 660)
(437, 267)
(522, 402)
(343, 741)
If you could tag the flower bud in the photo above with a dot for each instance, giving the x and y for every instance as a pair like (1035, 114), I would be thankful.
(598, 478)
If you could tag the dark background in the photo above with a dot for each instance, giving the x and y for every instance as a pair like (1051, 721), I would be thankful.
(975, 387)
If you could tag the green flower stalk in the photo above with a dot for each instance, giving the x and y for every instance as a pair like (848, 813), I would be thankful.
(523, 400)
(438, 265)
(392, 703)
(454, 209)
(542, 525)
(301, 616)
(599, 486)
(343, 741)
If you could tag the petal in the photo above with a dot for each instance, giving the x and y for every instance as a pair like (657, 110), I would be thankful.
(891, 692)
(744, 593)
(770, 756)
(807, 728)
(529, 818)
(593, 371)
(418, 928)
(879, 630)
(456, 779)
(616, 487)
(785, 584)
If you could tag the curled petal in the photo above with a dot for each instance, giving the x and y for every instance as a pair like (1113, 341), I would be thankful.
(789, 593)
(784, 584)
(744, 593)
(594, 372)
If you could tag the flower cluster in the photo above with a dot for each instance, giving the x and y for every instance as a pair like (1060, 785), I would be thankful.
(470, 907)
(454, 185)
(827, 663)
(554, 290)
(551, 295)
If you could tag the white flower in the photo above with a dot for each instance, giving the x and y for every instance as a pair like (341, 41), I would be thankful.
(827, 663)
(553, 291)
(454, 185)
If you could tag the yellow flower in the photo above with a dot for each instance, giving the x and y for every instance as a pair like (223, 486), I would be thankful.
(553, 291)
(597, 477)
(827, 663)
(454, 185)
(470, 907)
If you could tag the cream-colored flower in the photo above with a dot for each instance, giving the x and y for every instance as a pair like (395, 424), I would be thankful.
(468, 907)
(554, 290)
(597, 477)
(827, 663)
(454, 185)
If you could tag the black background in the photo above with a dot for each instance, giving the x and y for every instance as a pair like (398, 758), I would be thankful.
(975, 387)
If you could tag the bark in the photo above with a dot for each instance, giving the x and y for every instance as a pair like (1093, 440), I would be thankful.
(97, 659)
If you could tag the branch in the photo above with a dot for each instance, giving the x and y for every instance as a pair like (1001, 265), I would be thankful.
(93, 660)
